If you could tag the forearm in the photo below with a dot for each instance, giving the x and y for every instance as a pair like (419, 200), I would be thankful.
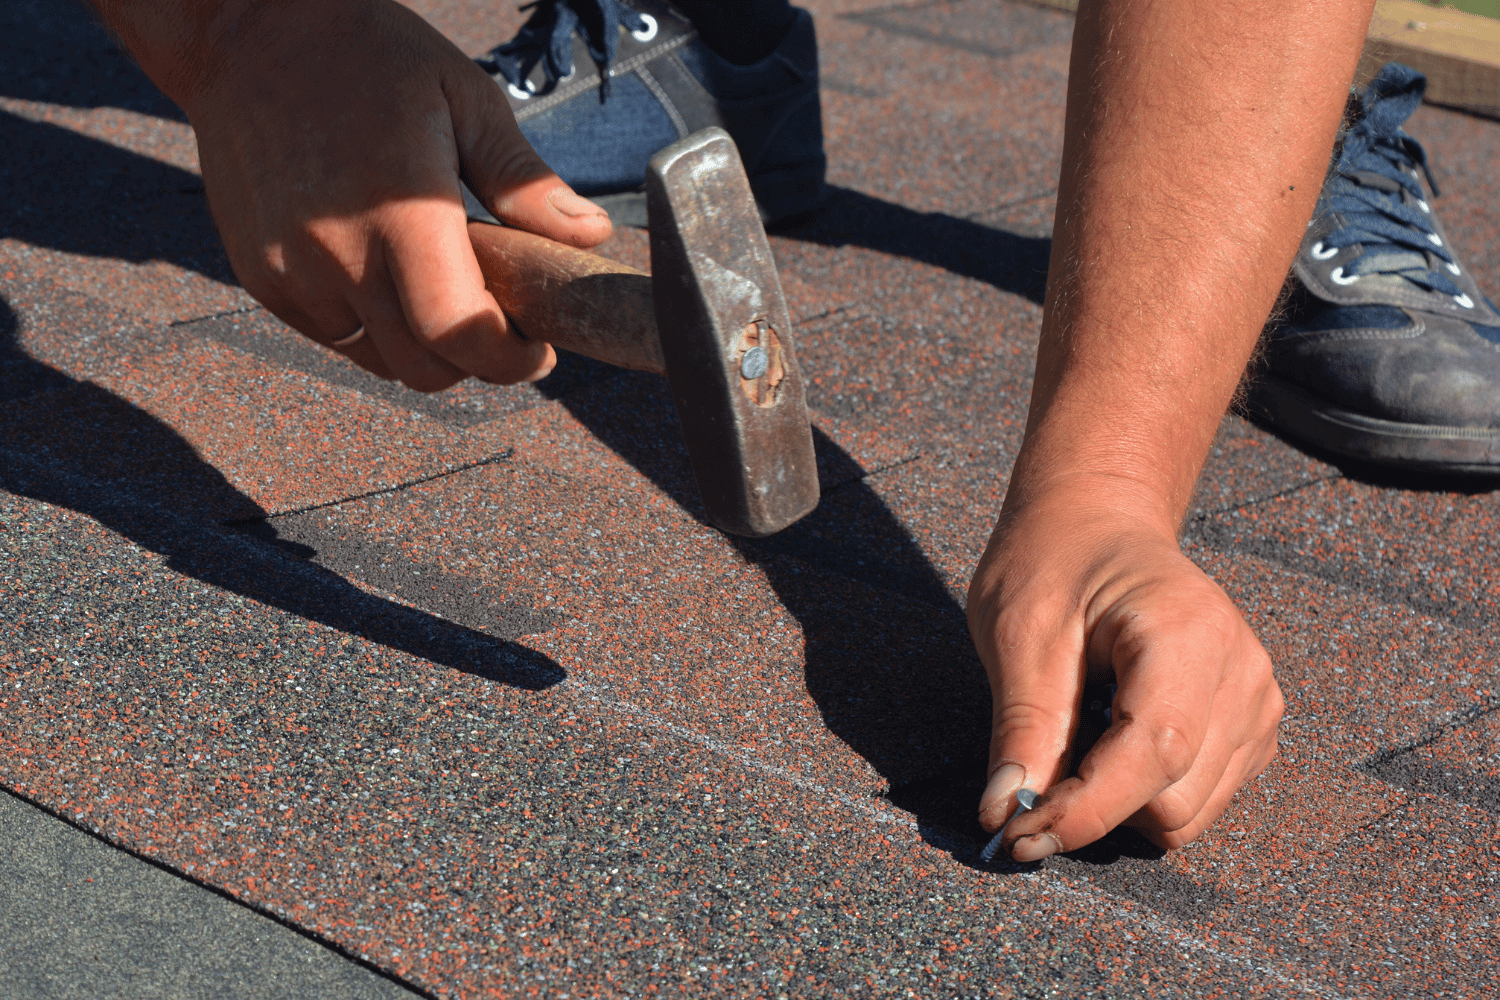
(170, 39)
(1197, 137)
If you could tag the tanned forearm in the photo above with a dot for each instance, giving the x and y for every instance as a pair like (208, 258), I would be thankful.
(173, 40)
(1196, 142)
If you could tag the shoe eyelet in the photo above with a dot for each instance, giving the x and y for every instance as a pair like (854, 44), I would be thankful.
(1434, 239)
(1454, 268)
(1464, 301)
(518, 93)
(1319, 252)
(648, 32)
(1337, 277)
(1424, 206)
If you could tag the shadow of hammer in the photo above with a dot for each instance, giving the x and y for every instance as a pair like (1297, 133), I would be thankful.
(710, 316)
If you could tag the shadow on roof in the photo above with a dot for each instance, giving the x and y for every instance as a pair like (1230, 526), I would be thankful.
(888, 658)
(104, 471)
(1009, 261)
(56, 51)
(72, 193)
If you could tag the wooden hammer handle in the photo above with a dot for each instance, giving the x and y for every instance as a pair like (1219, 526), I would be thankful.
(570, 298)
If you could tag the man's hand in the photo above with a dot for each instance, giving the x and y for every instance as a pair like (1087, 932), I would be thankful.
(1196, 140)
(1074, 589)
(332, 135)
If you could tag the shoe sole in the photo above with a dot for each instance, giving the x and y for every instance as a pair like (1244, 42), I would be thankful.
(1369, 439)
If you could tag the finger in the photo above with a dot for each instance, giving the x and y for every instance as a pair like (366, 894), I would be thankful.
(1169, 674)
(364, 353)
(1246, 762)
(444, 304)
(506, 174)
(1241, 741)
(1188, 807)
(387, 328)
(322, 320)
(1136, 759)
(1036, 689)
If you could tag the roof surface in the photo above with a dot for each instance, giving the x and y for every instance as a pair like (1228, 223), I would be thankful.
(465, 687)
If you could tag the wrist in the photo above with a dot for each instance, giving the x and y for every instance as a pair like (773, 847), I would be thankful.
(185, 47)
(1063, 535)
(1132, 473)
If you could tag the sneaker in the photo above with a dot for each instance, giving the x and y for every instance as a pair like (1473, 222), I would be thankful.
(600, 86)
(1387, 351)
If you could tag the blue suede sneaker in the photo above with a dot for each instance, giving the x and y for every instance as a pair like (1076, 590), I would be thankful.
(600, 86)
(1387, 350)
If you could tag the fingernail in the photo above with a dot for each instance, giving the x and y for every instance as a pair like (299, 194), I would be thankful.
(1003, 784)
(1036, 847)
(546, 365)
(573, 205)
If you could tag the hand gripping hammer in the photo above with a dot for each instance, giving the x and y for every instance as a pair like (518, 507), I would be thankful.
(710, 316)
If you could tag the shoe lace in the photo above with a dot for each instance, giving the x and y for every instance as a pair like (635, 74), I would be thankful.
(547, 38)
(1377, 164)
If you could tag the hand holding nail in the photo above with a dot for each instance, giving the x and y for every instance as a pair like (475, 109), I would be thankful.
(1196, 710)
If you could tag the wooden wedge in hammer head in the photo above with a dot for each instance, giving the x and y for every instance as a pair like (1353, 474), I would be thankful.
(710, 316)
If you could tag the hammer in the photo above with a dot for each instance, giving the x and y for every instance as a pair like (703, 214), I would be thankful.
(710, 316)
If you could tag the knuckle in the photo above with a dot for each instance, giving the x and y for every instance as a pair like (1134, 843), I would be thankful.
(1175, 748)
(427, 338)
(1219, 613)
(1020, 626)
(1217, 625)
(1267, 753)
(1170, 811)
(1275, 707)
(1024, 718)
(1263, 691)
(1028, 732)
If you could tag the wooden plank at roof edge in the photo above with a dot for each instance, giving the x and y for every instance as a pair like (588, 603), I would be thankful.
(1459, 52)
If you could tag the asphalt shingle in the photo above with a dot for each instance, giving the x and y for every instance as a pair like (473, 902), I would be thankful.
(465, 685)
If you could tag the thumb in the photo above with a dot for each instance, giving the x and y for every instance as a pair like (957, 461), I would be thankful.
(1036, 692)
(507, 175)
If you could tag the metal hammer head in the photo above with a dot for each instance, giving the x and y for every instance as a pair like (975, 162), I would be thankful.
(727, 339)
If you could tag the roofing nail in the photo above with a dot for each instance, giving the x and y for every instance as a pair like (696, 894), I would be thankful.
(1025, 800)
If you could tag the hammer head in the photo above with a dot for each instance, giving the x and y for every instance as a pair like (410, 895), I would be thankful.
(727, 339)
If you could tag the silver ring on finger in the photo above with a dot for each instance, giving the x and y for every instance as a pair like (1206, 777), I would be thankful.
(352, 338)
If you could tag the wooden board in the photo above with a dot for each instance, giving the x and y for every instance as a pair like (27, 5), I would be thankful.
(1459, 52)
